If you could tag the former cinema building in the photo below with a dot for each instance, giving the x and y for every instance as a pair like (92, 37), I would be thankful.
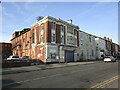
(54, 40)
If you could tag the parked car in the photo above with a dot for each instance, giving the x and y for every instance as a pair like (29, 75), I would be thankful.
(24, 58)
(13, 58)
(109, 59)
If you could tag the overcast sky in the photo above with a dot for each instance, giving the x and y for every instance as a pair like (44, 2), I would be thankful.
(97, 18)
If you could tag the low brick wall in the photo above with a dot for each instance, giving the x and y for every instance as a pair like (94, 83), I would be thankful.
(19, 63)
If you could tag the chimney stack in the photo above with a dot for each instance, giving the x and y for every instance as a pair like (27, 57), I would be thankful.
(105, 38)
(69, 21)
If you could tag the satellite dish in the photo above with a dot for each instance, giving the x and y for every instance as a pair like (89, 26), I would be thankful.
(39, 18)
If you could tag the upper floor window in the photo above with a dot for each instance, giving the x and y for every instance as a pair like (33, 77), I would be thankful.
(5, 45)
(32, 36)
(81, 35)
(70, 40)
(75, 32)
(61, 28)
(70, 29)
(42, 26)
(81, 42)
(62, 39)
(41, 36)
(9, 45)
(53, 25)
(90, 38)
(53, 37)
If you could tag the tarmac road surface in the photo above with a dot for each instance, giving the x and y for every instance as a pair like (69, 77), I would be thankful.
(96, 75)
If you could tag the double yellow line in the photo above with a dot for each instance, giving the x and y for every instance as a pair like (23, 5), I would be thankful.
(103, 84)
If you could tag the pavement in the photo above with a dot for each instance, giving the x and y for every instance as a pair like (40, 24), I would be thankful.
(42, 67)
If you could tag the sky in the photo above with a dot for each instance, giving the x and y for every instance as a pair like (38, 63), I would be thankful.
(97, 18)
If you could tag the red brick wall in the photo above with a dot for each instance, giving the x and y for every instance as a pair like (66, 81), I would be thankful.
(6, 50)
(58, 33)
(64, 35)
(77, 38)
(38, 52)
(38, 34)
(26, 40)
(48, 31)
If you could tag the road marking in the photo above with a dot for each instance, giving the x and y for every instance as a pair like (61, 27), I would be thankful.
(103, 84)
(45, 77)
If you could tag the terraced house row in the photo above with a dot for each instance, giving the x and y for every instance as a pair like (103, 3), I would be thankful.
(55, 40)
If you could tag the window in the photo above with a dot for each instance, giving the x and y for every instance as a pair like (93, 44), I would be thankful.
(61, 28)
(53, 25)
(92, 53)
(81, 36)
(75, 41)
(90, 38)
(62, 39)
(81, 42)
(41, 36)
(53, 56)
(53, 37)
(41, 52)
(5, 45)
(82, 53)
(70, 29)
(87, 53)
(70, 40)
(75, 32)
(33, 35)
(42, 26)
(9, 45)
(101, 50)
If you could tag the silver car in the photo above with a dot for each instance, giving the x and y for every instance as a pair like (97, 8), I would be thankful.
(109, 59)
(13, 58)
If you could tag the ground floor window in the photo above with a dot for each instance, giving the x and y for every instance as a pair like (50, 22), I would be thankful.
(53, 56)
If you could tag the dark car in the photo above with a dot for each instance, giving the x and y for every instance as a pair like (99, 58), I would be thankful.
(24, 58)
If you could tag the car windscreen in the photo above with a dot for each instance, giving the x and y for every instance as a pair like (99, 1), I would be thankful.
(107, 57)
(15, 57)
(24, 57)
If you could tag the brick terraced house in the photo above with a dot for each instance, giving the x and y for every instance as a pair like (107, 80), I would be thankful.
(54, 40)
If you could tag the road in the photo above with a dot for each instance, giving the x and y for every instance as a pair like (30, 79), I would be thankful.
(96, 75)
